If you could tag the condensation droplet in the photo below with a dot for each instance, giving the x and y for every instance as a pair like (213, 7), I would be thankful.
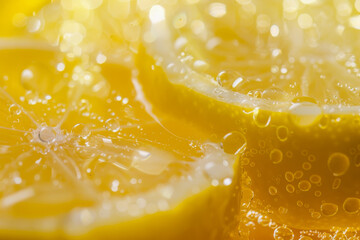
(15, 109)
(47, 134)
(261, 118)
(316, 179)
(338, 163)
(272, 190)
(234, 143)
(351, 205)
(336, 183)
(289, 176)
(304, 185)
(290, 188)
(282, 133)
(283, 233)
(112, 125)
(329, 209)
(305, 113)
(276, 156)
(81, 130)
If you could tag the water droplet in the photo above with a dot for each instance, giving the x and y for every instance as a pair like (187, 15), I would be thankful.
(329, 209)
(275, 94)
(316, 179)
(304, 185)
(351, 205)
(305, 113)
(81, 130)
(290, 188)
(338, 163)
(289, 176)
(272, 190)
(336, 183)
(315, 215)
(298, 174)
(229, 79)
(276, 156)
(234, 143)
(112, 125)
(15, 109)
(282, 133)
(283, 233)
(47, 134)
(306, 166)
(152, 161)
(261, 118)
(264, 220)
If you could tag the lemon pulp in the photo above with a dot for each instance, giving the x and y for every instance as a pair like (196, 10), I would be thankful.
(85, 155)
(282, 74)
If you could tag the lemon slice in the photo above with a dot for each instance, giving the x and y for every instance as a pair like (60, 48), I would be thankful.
(282, 76)
(83, 157)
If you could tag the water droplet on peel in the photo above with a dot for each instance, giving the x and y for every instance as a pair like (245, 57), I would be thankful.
(47, 134)
(304, 185)
(282, 133)
(315, 215)
(351, 205)
(234, 143)
(152, 161)
(329, 209)
(81, 130)
(276, 156)
(305, 113)
(112, 125)
(261, 118)
(283, 233)
(272, 190)
(338, 163)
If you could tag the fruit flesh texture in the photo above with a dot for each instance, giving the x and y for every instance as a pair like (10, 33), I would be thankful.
(36, 187)
(301, 157)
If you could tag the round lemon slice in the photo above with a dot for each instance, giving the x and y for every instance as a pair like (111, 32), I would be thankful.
(282, 76)
(84, 157)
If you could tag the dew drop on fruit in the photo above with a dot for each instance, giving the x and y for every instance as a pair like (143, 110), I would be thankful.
(276, 156)
(304, 113)
(282, 133)
(261, 118)
(329, 209)
(234, 143)
(112, 125)
(264, 220)
(283, 233)
(275, 94)
(316, 179)
(338, 163)
(304, 185)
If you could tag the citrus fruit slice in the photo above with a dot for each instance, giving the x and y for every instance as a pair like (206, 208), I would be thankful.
(283, 75)
(83, 157)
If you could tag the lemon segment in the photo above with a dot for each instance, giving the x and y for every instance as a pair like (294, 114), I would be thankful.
(240, 67)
